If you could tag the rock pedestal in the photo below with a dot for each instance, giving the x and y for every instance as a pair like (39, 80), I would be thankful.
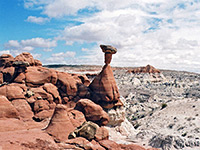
(104, 87)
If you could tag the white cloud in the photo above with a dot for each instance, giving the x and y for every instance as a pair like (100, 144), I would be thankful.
(38, 20)
(47, 49)
(164, 33)
(4, 52)
(66, 54)
(13, 43)
(39, 42)
(61, 58)
(28, 48)
(31, 45)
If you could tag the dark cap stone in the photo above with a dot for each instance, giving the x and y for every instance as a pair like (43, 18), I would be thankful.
(108, 49)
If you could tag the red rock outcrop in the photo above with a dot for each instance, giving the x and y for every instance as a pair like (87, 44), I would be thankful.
(7, 110)
(27, 57)
(92, 111)
(35, 97)
(6, 60)
(53, 90)
(36, 76)
(23, 108)
(147, 69)
(111, 145)
(12, 92)
(101, 134)
(104, 86)
(64, 122)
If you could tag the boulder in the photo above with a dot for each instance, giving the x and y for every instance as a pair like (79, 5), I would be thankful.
(53, 90)
(8, 73)
(44, 114)
(6, 60)
(81, 142)
(63, 122)
(12, 92)
(36, 76)
(40, 93)
(83, 91)
(104, 86)
(87, 130)
(110, 145)
(23, 108)
(38, 63)
(101, 134)
(1, 78)
(20, 78)
(81, 79)
(131, 147)
(41, 105)
(67, 85)
(27, 57)
(7, 110)
(92, 111)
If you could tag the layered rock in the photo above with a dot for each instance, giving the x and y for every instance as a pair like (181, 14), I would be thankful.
(92, 111)
(146, 69)
(103, 87)
(64, 105)
(63, 122)
(7, 110)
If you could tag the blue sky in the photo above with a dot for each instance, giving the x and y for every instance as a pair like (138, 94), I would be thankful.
(163, 33)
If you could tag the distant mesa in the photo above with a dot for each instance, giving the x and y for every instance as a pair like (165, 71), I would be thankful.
(147, 69)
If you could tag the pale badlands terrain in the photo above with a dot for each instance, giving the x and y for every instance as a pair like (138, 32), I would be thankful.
(163, 108)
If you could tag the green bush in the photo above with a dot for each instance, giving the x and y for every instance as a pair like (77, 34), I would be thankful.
(163, 105)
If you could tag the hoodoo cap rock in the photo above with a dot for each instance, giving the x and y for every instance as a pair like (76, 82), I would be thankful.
(108, 49)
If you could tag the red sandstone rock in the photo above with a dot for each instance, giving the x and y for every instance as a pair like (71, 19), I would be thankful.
(104, 86)
(23, 108)
(64, 122)
(41, 105)
(1, 78)
(20, 78)
(27, 57)
(8, 73)
(40, 93)
(12, 92)
(7, 110)
(38, 63)
(92, 111)
(101, 134)
(39, 75)
(83, 91)
(147, 69)
(96, 145)
(67, 84)
(6, 60)
(131, 147)
(81, 79)
(44, 114)
(110, 145)
(81, 142)
(53, 90)
(76, 117)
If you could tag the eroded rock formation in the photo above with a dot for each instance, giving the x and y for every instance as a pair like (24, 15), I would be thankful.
(46, 106)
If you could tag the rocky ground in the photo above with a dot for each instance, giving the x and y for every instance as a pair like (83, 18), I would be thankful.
(46, 109)
(163, 107)
(75, 107)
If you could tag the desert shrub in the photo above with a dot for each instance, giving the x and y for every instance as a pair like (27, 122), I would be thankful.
(163, 105)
